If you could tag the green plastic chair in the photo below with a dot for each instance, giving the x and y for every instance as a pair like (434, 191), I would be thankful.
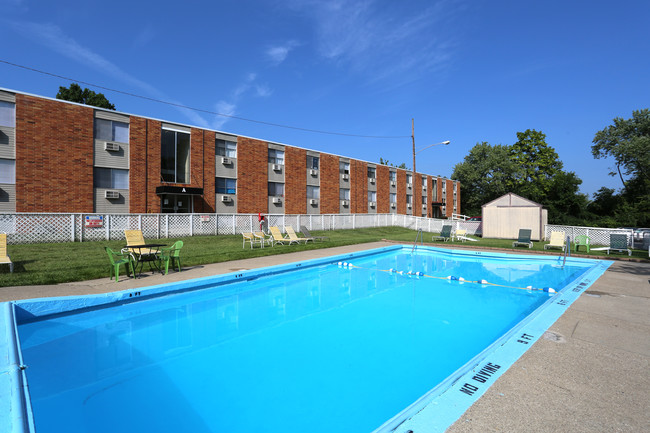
(582, 241)
(118, 259)
(171, 254)
(445, 234)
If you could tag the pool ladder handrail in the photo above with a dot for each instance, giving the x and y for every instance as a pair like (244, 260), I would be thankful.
(567, 249)
(418, 235)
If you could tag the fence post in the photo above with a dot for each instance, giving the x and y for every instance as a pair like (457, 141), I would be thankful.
(191, 224)
(234, 224)
(166, 226)
(108, 227)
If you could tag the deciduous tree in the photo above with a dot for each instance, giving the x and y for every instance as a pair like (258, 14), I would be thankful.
(85, 96)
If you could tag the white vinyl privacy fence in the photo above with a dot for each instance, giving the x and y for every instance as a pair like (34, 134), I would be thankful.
(24, 228)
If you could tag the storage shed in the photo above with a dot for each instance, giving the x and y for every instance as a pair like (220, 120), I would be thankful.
(503, 217)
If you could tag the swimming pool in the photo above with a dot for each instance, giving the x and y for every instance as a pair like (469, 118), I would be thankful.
(350, 343)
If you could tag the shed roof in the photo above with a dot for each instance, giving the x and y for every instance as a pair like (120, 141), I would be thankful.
(511, 200)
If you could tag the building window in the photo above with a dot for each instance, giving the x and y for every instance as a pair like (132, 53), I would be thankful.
(112, 178)
(276, 156)
(409, 179)
(312, 162)
(226, 148)
(372, 172)
(8, 171)
(175, 156)
(313, 192)
(372, 196)
(276, 189)
(424, 199)
(344, 194)
(7, 114)
(392, 197)
(111, 130)
(226, 186)
(409, 199)
(344, 167)
(392, 175)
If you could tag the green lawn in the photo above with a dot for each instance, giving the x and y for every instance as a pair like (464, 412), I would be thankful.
(65, 262)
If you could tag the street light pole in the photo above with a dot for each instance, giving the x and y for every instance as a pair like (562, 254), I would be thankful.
(413, 139)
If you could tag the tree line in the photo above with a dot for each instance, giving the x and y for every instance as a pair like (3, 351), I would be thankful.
(532, 169)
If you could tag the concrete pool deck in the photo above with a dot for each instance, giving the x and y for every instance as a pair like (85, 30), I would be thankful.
(589, 373)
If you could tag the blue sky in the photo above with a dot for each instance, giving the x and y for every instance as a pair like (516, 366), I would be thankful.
(466, 71)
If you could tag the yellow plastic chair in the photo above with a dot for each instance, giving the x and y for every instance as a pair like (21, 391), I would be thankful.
(263, 238)
(278, 238)
(135, 237)
(247, 237)
(293, 236)
(4, 257)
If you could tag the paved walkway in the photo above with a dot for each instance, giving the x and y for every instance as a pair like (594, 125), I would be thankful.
(588, 374)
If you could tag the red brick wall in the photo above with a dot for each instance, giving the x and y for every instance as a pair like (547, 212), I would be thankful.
(209, 171)
(295, 178)
(138, 165)
(252, 176)
(417, 194)
(54, 156)
(154, 158)
(429, 196)
(383, 189)
(329, 184)
(358, 186)
(450, 198)
(401, 191)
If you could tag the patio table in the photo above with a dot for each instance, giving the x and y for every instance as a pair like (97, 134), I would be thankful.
(142, 258)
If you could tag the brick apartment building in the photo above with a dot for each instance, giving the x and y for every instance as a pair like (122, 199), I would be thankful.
(58, 156)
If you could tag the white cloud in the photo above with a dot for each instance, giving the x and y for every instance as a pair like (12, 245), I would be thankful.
(225, 108)
(53, 37)
(144, 36)
(382, 40)
(263, 91)
(278, 54)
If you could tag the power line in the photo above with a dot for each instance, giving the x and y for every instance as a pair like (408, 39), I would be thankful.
(200, 109)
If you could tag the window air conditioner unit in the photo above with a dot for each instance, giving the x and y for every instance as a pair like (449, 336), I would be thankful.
(372, 180)
(345, 203)
(313, 172)
(424, 205)
(393, 183)
(313, 201)
(372, 204)
(408, 206)
(277, 167)
(111, 194)
(225, 160)
(226, 199)
(112, 147)
(345, 176)
(409, 185)
(277, 200)
(392, 205)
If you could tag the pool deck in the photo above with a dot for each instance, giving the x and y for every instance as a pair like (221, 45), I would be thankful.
(589, 373)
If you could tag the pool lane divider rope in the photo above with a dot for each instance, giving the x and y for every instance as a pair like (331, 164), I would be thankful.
(461, 280)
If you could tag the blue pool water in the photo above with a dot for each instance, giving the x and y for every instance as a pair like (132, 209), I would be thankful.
(321, 349)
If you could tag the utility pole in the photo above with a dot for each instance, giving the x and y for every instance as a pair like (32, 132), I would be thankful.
(413, 139)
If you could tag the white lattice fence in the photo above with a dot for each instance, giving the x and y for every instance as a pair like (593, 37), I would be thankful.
(598, 236)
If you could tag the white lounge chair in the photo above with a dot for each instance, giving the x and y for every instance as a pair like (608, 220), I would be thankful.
(557, 241)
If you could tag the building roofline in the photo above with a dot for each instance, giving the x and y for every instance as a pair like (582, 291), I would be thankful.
(4, 89)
